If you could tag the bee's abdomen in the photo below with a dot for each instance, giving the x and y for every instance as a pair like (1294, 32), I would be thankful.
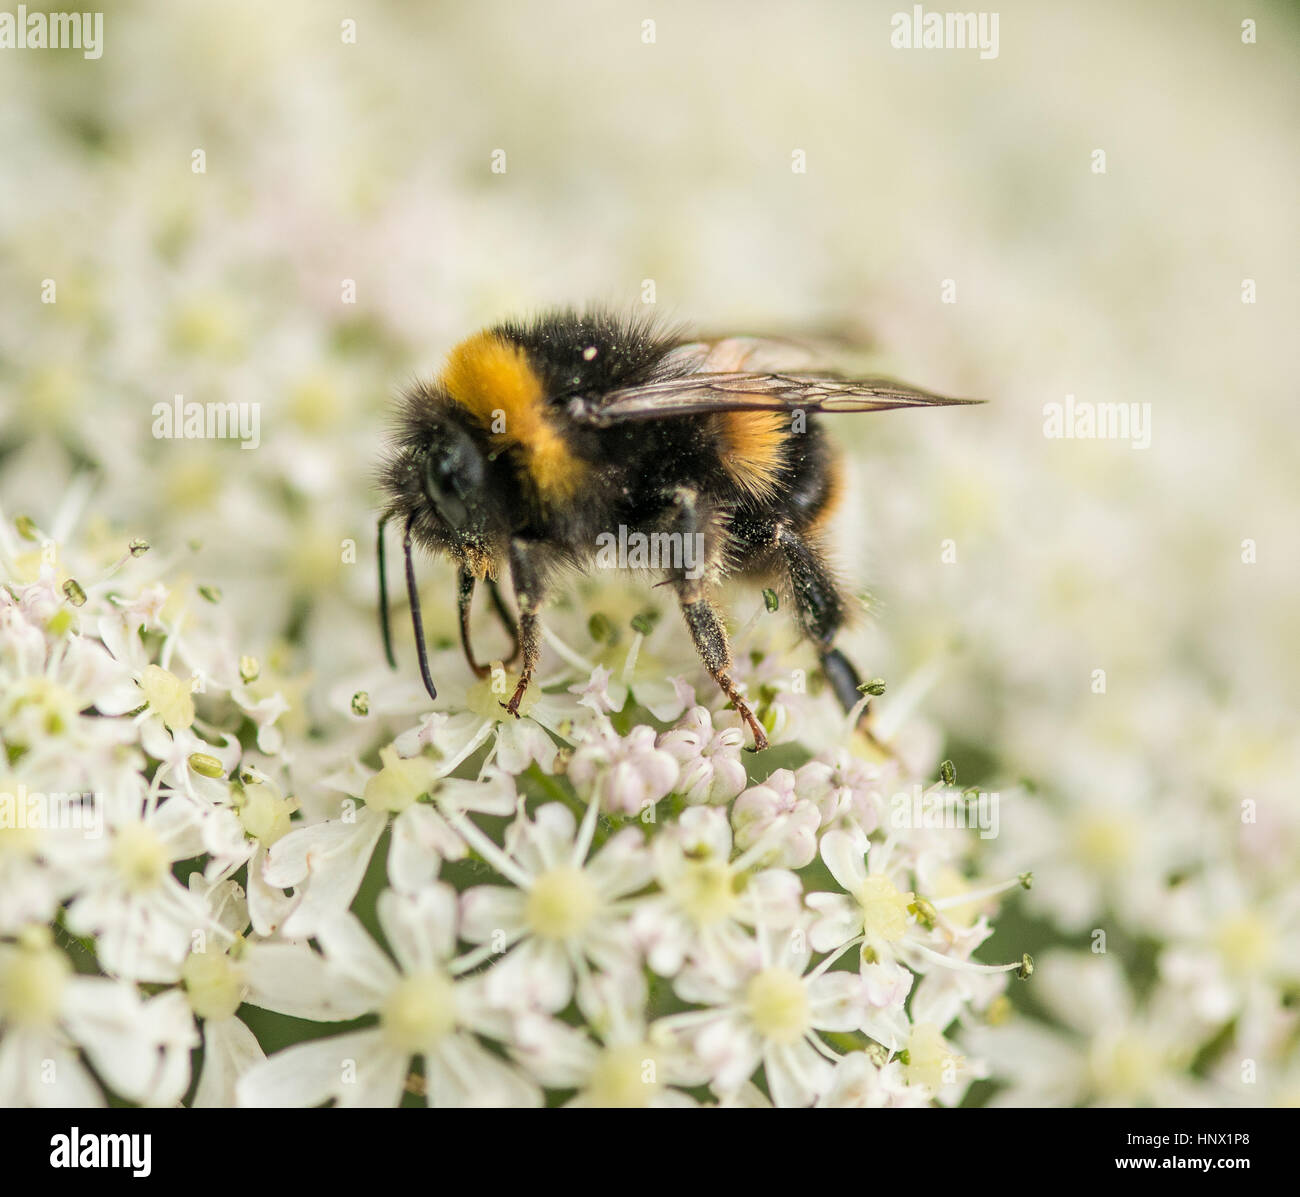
(752, 449)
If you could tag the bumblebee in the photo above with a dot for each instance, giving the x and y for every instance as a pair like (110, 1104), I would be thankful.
(540, 441)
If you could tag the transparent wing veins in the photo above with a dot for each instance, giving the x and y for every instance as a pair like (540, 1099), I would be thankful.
(699, 394)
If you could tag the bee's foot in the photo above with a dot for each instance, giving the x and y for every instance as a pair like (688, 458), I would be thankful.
(760, 736)
(512, 707)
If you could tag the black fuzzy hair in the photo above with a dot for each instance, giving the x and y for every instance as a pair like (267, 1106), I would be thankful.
(630, 349)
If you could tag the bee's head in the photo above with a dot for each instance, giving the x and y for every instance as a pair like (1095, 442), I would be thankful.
(442, 479)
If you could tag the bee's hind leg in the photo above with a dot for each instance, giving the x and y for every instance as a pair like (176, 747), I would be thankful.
(843, 678)
(821, 609)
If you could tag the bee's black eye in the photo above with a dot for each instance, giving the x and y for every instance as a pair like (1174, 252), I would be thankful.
(441, 489)
(453, 477)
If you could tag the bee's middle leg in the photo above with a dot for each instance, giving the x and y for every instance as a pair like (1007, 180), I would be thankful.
(707, 631)
(507, 619)
(527, 572)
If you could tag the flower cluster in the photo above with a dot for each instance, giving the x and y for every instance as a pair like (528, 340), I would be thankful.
(589, 905)
(1183, 993)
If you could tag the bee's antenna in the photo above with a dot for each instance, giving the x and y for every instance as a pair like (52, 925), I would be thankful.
(417, 624)
(384, 629)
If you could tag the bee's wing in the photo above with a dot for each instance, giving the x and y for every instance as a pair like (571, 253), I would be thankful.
(714, 355)
(698, 394)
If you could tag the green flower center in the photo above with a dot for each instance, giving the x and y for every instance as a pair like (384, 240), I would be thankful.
(1246, 942)
(1105, 842)
(140, 857)
(170, 698)
(705, 891)
(420, 1010)
(624, 1077)
(778, 1005)
(1124, 1068)
(884, 909)
(213, 984)
(930, 1061)
(31, 984)
(561, 903)
(264, 815)
(400, 783)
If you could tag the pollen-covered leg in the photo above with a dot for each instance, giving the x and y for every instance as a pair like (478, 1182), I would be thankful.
(685, 517)
(526, 570)
(711, 643)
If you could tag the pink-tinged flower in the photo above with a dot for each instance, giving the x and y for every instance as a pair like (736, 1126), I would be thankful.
(841, 785)
(712, 770)
(623, 774)
(860, 1083)
(598, 694)
(774, 815)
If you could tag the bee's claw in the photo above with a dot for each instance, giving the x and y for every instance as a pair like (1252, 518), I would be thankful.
(512, 707)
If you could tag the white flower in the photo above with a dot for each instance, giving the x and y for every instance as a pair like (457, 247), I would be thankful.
(1230, 950)
(424, 1011)
(1116, 1051)
(627, 1064)
(565, 906)
(872, 907)
(48, 1013)
(225, 971)
(516, 742)
(707, 900)
(127, 897)
(860, 1083)
(1110, 854)
(324, 862)
(767, 1009)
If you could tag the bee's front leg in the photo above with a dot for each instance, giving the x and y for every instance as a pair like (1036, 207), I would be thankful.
(465, 598)
(528, 575)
